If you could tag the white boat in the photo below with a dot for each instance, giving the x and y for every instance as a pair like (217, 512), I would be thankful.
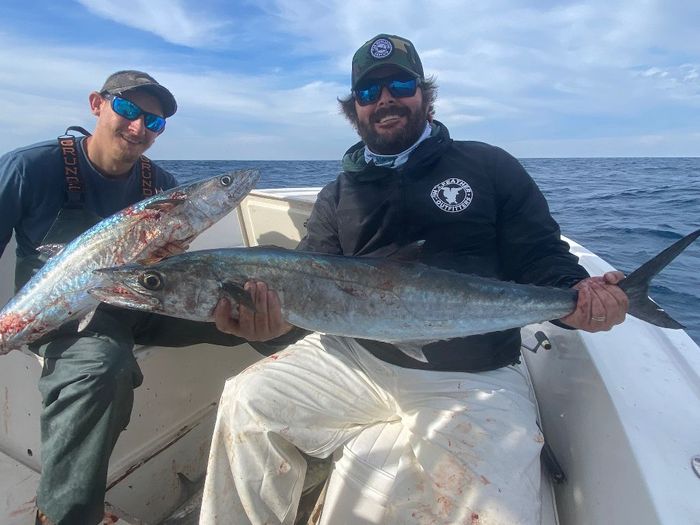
(620, 412)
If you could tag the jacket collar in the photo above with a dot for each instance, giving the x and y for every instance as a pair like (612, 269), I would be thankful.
(426, 153)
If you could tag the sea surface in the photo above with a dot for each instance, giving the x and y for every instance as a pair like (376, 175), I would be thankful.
(624, 209)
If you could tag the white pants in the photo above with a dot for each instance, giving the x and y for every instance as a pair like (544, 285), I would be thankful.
(474, 445)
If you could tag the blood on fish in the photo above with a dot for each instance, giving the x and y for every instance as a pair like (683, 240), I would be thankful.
(14, 323)
(120, 290)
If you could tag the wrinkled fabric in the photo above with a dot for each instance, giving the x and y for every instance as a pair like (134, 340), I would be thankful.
(87, 391)
(87, 388)
(473, 447)
(395, 161)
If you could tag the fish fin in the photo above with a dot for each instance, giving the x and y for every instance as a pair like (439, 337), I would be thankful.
(407, 252)
(413, 349)
(188, 240)
(50, 250)
(238, 293)
(166, 204)
(175, 247)
(86, 320)
(636, 285)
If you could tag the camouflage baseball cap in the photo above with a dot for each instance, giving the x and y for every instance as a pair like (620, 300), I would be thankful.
(123, 81)
(382, 50)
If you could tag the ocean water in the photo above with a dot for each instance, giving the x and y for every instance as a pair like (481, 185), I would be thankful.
(624, 209)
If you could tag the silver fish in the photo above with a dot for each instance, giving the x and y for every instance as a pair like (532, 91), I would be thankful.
(404, 303)
(58, 292)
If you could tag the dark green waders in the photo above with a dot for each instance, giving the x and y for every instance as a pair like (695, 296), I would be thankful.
(87, 387)
(87, 390)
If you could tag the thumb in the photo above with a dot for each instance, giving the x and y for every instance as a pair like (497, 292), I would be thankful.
(613, 277)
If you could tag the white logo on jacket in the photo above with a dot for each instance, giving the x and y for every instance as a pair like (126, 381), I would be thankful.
(452, 195)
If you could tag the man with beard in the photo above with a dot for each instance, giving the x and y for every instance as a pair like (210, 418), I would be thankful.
(474, 444)
(50, 193)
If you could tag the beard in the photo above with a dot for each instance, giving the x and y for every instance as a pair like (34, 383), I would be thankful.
(396, 140)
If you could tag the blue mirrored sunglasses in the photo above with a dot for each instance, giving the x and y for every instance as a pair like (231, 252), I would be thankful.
(369, 92)
(130, 111)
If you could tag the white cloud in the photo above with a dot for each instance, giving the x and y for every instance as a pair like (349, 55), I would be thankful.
(472, 109)
(680, 82)
(221, 115)
(559, 75)
(171, 20)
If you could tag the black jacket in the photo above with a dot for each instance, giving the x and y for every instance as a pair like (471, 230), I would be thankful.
(477, 211)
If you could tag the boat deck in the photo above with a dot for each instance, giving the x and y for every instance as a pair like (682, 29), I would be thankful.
(618, 409)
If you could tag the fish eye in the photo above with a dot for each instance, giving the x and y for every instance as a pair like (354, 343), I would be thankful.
(151, 280)
(226, 180)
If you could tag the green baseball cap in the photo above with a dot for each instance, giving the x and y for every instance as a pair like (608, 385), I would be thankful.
(382, 50)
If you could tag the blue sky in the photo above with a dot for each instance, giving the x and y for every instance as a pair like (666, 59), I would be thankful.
(259, 79)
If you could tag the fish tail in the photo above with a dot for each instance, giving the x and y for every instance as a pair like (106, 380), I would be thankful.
(636, 285)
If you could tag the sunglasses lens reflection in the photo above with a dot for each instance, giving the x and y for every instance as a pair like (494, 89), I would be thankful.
(399, 88)
(154, 122)
(130, 111)
(125, 108)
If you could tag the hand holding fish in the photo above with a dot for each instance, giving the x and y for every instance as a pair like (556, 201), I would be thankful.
(601, 303)
(262, 324)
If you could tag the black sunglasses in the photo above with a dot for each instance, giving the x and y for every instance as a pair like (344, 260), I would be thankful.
(130, 111)
(369, 92)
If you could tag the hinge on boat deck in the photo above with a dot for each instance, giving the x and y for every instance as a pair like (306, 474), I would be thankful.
(549, 460)
(188, 512)
(552, 465)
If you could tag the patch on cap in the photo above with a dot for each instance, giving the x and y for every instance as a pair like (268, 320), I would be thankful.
(381, 48)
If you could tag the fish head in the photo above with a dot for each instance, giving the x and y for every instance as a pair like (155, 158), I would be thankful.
(169, 288)
(179, 215)
(183, 212)
(210, 199)
(122, 286)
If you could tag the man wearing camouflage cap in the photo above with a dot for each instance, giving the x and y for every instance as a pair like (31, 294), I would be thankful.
(471, 441)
